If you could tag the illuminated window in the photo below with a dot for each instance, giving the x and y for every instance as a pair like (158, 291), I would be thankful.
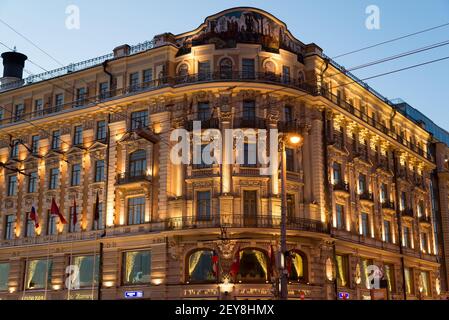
(297, 266)
(364, 221)
(139, 119)
(10, 221)
(387, 231)
(88, 268)
(226, 68)
(340, 212)
(137, 267)
(137, 163)
(366, 281)
(76, 175)
(389, 276)
(136, 210)
(337, 173)
(54, 177)
(342, 270)
(409, 281)
(12, 185)
(4, 275)
(407, 237)
(201, 266)
(101, 130)
(38, 274)
(253, 266)
(425, 283)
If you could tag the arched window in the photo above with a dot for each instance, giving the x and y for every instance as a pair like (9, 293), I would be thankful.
(137, 163)
(202, 266)
(226, 68)
(183, 71)
(253, 266)
(270, 68)
(297, 266)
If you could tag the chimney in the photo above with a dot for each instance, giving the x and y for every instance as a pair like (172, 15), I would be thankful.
(13, 64)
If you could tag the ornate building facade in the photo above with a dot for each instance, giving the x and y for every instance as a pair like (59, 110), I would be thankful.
(95, 138)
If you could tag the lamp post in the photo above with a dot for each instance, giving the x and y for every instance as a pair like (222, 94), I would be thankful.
(293, 139)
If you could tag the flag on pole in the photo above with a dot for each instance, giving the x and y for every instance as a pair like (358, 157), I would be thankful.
(34, 217)
(54, 210)
(97, 209)
(215, 263)
(75, 215)
(235, 263)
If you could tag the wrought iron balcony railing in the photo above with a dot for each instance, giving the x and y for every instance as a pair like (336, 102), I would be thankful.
(212, 123)
(130, 177)
(341, 186)
(408, 212)
(388, 205)
(425, 219)
(255, 123)
(366, 196)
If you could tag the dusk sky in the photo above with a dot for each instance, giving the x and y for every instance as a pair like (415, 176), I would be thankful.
(335, 27)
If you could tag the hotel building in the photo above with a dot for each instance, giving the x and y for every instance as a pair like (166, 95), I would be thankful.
(95, 137)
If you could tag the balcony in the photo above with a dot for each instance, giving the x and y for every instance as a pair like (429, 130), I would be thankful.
(255, 123)
(289, 126)
(127, 177)
(388, 205)
(366, 196)
(337, 140)
(425, 220)
(408, 212)
(212, 123)
(341, 186)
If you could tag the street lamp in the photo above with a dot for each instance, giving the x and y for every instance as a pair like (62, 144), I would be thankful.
(295, 140)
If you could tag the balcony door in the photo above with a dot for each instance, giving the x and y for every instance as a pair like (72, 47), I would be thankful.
(250, 208)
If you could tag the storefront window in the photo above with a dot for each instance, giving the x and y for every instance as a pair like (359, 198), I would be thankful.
(137, 267)
(4, 274)
(297, 267)
(425, 283)
(366, 273)
(253, 266)
(88, 267)
(201, 266)
(389, 276)
(38, 272)
(342, 271)
(409, 283)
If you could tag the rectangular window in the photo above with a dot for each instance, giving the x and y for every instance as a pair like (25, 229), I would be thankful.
(290, 159)
(4, 276)
(76, 175)
(59, 101)
(72, 226)
(409, 281)
(288, 114)
(286, 74)
(38, 274)
(362, 183)
(424, 242)
(10, 221)
(137, 267)
(81, 96)
(389, 276)
(38, 107)
(139, 119)
(202, 164)
(89, 267)
(35, 145)
(403, 200)
(384, 193)
(406, 235)
(99, 171)
(250, 207)
(365, 224)
(248, 68)
(366, 280)
(421, 211)
(104, 90)
(32, 182)
(203, 205)
(14, 153)
(426, 291)
(249, 154)
(136, 210)
(19, 112)
(51, 223)
(340, 212)
(147, 76)
(98, 225)
(203, 111)
(203, 70)
(30, 227)
(337, 173)
(342, 270)
(78, 135)
(54, 177)
(101, 131)
(12, 185)
(387, 231)
(249, 110)
(56, 140)
(134, 81)
(290, 207)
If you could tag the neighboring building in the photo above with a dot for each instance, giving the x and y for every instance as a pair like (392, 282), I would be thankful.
(440, 185)
(358, 188)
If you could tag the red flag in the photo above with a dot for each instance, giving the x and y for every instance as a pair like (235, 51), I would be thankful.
(54, 210)
(75, 216)
(235, 267)
(34, 217)
(215, 263)
(97, 209)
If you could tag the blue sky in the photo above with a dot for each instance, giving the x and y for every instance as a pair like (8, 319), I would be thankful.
(336, 26)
